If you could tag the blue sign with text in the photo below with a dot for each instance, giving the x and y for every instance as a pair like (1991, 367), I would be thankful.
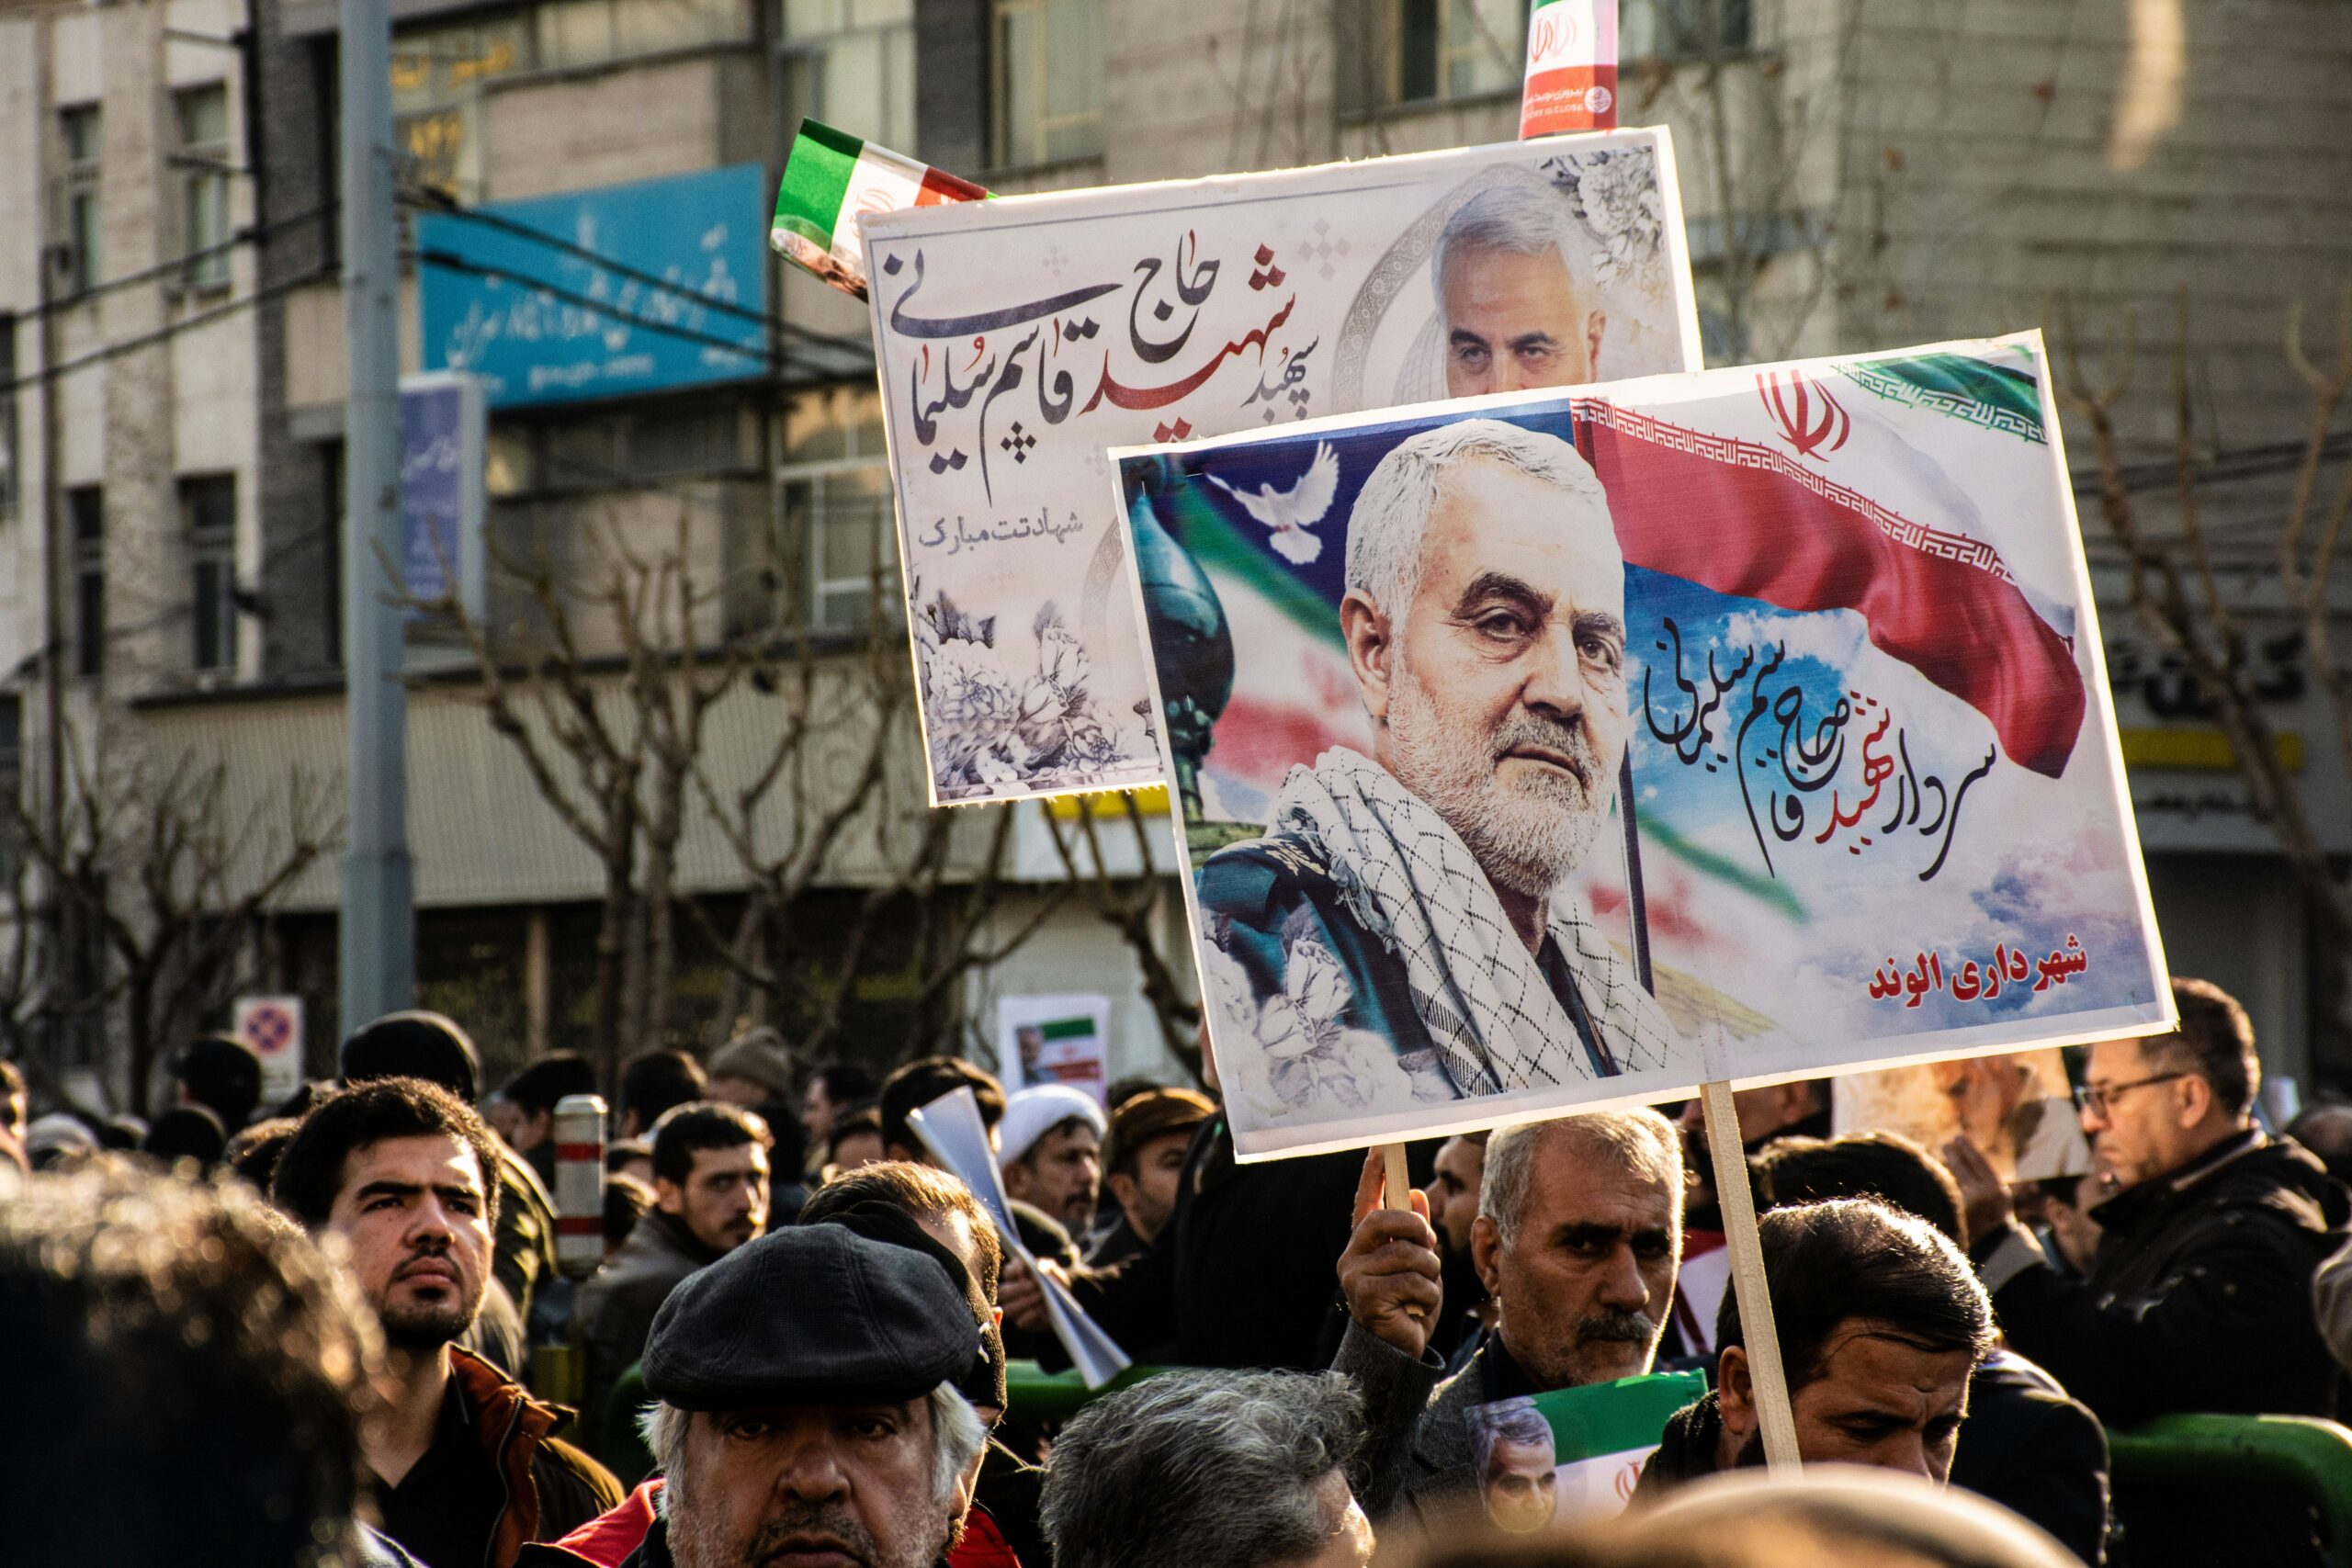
(555, 300)
(441, 490)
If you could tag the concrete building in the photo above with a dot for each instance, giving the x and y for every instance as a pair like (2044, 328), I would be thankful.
(1854, 176)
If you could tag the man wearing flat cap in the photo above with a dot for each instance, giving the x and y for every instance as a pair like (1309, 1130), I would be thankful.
(810, 1407)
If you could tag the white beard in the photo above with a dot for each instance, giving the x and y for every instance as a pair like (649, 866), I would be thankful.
(1526, 836)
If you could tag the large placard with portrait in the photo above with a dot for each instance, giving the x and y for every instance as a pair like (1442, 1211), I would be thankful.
(1821, 631)
(1018, 339)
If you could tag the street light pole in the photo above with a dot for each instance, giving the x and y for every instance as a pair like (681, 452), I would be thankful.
(377, 934)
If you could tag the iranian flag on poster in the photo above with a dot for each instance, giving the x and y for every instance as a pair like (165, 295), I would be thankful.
(830, 178)
(1571, 68)
(1574, 1454)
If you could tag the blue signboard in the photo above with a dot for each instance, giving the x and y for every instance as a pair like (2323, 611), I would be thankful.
(441, 488)
(556, 300)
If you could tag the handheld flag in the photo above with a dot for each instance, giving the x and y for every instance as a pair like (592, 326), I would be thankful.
(1571, 68)
(830, 177)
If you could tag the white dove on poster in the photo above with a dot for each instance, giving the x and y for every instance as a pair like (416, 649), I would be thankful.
(1290, 512)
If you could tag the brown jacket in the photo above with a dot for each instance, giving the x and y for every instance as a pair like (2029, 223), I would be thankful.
(552, 1488)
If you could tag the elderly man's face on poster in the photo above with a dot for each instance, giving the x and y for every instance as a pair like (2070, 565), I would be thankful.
(1501, 691)
(1521, 1484)
(1514, 321)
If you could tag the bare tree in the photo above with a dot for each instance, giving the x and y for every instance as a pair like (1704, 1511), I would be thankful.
(169, 884)
(2179, 596)
(1131, 905)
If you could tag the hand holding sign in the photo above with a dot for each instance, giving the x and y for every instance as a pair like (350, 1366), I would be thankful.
(1389, 1271)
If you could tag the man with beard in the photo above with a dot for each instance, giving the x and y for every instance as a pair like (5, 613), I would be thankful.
(1467, 1312)
(1513, 314)
(1881, 1323)
(1576, 1238)
(1406, 909)
(808, 1407)
(466, 1462)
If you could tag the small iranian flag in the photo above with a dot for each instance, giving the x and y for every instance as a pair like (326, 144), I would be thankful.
(1571, 67)
(830, 178)
(1573, 1454)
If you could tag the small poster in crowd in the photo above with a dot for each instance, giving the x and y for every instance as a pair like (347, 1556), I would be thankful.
(1060, 1039)
(1574, 1454)
(1020, 338)
(273, 1027)
(1820, 635)
(2018, 1110)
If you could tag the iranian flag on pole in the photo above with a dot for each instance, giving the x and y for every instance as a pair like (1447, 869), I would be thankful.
(830, 178)
(1571, 67)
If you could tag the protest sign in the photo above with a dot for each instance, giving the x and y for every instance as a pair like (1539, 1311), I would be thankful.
(1830, 618)
(2019, 1109)
(1018, 337)
(273, 1027)
(1573, 1454)
(951, 1128)
(1063, 1040)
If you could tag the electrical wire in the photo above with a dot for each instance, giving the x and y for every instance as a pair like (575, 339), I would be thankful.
(252, 234)
(165, 334)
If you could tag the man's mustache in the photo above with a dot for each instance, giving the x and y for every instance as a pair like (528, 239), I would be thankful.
(1636, 1328)
(1569, 740)
(812, 1523)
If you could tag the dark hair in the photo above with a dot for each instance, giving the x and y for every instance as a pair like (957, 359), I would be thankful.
(620, 1151)
(626, 1200)
(182, 1338)
(1121, 1090)
(222, 1073)
(923, 1191)
(186, 1131)
(309, 1173)
(1885, 1165)
(700, 1124)
(1196, 1466)
(540, 1086)
(920, 1082)
(1829, 1263)
(655, 1081)
(253, 1150)
(849, 1125)
(846, 1083)
(2215, 1041)
(415, 1045)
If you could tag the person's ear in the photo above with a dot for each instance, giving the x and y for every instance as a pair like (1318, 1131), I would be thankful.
(1596, 326)
(1736, 1396)
(668, 1196)
(1372, 650)
(1122, 1187)
(1486, 1254)
(2192, 1099)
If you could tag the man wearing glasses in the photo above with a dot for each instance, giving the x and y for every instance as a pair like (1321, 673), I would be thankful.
(2199, 1297)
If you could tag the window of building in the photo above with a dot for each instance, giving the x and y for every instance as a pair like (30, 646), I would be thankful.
(1686, 29)
(1047, 91)
(1419, 51)
(202, 167)
(437, 76)
(851, 63)
(209, 512)
(85, 508)
(8, 471)
(81, 129)
(590, 32)
(838, 529)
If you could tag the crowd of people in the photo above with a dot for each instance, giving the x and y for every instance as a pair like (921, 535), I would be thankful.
(335, 1331)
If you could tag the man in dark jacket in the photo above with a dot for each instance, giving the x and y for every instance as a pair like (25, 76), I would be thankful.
(2199, 1295)
(710, 1196)
(466, 1463)
(1881, 1324)
(2026, 1445)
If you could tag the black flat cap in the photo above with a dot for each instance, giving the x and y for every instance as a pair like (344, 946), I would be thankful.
(878, 1221)
(810, 1315)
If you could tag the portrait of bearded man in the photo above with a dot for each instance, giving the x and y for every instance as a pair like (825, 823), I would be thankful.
(1411, 905)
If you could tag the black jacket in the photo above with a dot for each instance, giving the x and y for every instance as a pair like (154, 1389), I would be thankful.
(1246, 1272)
(1686, 1451)
(2037, 1452)
(2199, 1299)
(615, 1308)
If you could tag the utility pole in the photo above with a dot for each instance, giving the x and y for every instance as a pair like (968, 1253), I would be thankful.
(378, 928)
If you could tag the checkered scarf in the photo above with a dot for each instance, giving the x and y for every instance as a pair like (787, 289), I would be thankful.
(1407, 877)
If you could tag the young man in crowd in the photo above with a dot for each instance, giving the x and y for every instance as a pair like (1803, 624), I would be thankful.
(810, 1409)
(710, 1196)
(2199, 1296)
(1577, 1238)
(652, 1083)
(1242, 1470)
(1143, 1168)
(466, 1461)
(1880, 1324)
(1049, 1151)
(532, 1096)
(1466, 1312)
(834, 1089)
(222, 1074)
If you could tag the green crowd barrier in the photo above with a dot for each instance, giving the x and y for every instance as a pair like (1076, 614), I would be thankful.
(2303, 1452)
(1032, 1393)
